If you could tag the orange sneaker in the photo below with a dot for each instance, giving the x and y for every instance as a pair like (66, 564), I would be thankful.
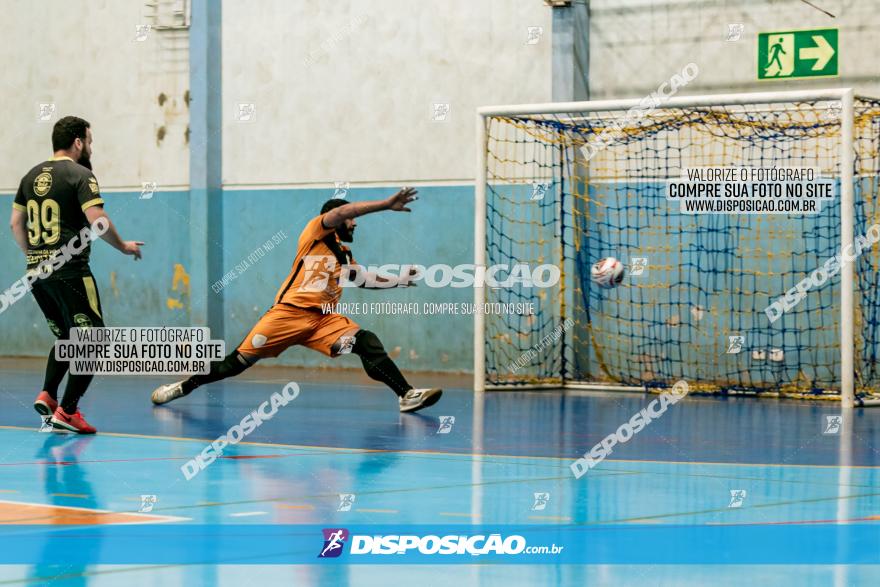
(75, 422)
(44, 404)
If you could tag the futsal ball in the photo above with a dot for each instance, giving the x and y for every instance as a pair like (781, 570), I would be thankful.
(607, 272)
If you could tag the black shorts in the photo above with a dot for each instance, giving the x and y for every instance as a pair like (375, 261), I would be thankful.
(69, 302)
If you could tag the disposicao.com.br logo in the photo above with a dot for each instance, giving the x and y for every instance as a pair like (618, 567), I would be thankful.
(334, 540)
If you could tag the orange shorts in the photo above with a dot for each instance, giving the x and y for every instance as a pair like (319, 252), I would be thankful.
(284, 326)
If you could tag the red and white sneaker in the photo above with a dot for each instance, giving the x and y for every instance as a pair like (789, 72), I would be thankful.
(44, 404)
(75, 422)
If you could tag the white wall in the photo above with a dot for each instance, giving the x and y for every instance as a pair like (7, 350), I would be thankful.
(636, 44)
(343, 89)
(81, 55)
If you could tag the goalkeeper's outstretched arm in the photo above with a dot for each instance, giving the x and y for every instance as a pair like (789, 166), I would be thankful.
(397, 203)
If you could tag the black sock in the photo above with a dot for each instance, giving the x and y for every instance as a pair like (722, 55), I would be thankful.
(386, 371)
(55, 372)
(232, 365)
(76, 388)
(378, 364)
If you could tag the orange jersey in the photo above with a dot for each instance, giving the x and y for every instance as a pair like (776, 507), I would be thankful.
(314, 277)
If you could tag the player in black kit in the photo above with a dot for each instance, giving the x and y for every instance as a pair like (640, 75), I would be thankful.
(55, 202)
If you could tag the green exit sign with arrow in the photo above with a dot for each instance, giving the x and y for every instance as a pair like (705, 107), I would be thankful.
(797, 54)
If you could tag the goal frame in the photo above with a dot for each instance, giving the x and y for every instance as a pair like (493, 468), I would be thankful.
(846, 96)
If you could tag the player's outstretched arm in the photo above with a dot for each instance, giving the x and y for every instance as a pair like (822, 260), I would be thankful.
(18, 224)
(397, 203)
(111, 236)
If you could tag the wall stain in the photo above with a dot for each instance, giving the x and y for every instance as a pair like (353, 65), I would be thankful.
(179, 285)
(113, 286)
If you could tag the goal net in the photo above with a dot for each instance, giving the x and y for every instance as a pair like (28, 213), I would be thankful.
(570, 184)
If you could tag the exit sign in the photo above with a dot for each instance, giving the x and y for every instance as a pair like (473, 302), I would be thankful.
(797, 54)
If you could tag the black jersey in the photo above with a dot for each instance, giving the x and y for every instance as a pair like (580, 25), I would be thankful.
(55, 195)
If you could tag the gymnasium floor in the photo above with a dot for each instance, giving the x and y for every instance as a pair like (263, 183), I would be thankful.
(348, 438)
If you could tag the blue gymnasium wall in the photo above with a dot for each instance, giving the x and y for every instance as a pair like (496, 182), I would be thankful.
(132, 292)
(145, 293)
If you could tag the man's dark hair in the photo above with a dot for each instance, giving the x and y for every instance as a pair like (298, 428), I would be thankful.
(342, 254)
(332, 203)
(67, 130)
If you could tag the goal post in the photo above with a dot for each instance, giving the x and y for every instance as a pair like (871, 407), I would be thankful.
(570, 183)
